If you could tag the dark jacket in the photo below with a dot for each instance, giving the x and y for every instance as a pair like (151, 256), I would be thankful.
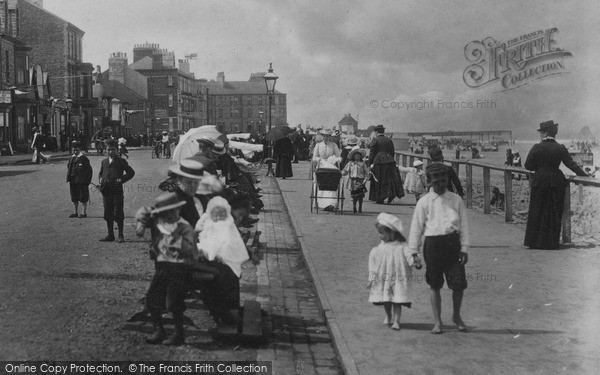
(544, 158)
(454, 184)
(382, 151)
(114, 175)
(283, 147)
(79, 170)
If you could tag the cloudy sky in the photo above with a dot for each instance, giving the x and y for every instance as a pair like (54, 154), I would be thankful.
(336, 57)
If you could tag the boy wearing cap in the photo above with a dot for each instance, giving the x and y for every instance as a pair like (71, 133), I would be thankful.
(173, 249)
(441, 216)
(114, 172)
(79, 177)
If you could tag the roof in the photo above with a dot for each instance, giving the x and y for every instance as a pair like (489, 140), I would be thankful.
(118, 90)
(348, 120)
(237, 87)
(143, 63)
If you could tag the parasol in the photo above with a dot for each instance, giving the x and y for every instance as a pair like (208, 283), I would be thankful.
(188, 146)
(275, 134)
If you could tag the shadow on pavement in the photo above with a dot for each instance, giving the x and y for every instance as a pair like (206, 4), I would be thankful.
(14, 173)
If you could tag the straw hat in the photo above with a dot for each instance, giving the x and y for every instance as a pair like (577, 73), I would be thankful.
(356, 150)
(189, 168)
(417, 163)
(206, 140)
(166, 202)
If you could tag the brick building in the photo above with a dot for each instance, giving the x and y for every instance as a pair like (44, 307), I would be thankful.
(122, 95)
(243, 105)
(174, 95)
(56, 45)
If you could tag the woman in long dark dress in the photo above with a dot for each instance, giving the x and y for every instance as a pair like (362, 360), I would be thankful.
(548, 187)
(386, 181)
(283, 150)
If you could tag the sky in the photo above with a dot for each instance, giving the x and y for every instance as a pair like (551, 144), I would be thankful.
(371, 59)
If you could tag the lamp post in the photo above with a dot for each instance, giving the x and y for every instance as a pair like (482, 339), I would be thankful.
(260, 118)
(270, 80)
(69, 103)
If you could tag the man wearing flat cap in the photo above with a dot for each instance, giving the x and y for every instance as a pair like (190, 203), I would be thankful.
(547, 188)
(441, 217)
(386, 181)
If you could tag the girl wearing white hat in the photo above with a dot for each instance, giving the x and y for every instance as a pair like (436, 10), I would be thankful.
(414, 181)
(390, 275)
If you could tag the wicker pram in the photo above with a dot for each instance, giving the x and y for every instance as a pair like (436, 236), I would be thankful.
(327, 179)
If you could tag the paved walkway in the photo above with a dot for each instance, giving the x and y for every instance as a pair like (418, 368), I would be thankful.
(529, 311)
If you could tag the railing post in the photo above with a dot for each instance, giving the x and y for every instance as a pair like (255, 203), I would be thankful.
(411, 160)
(469, 169)
(566, 217)
(508, 196)
(486, 190)
(580, 194)
(404, 159)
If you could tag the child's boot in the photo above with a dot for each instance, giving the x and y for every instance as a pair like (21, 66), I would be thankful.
(159, 331)
(177, 338)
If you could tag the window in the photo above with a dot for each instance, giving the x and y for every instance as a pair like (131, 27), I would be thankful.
(170, 99)
(249, 112)
(260, 100)
(249, 100)
(170, 80)
(219, 100)
(220, 112)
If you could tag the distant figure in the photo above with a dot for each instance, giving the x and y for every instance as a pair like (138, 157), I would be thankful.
(497, 199)
(386, 182)
(79, 177)
(547, 189)
(509, 157)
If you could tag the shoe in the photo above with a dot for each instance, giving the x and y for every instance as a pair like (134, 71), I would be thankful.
(83, 216)
(258, 182)
(107, 239)
(250, 221)
(120, 239)
(259, 196)
(258, 190)
(253, 211)
(73, 215)
(157, 338)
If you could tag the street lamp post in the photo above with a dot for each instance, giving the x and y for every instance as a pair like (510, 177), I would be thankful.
(260, 118)
(270, 80)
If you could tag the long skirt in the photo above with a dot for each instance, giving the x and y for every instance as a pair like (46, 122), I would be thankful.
(284, 167)
(386, 182)
(223, 293)
(545, 217)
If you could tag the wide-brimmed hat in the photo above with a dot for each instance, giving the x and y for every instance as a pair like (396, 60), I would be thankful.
(390, 221)
(206, 140)
(189, 168)
(356, 150)
(351, 141)
(219, 147)
(165, 132)
(325, 132)
(547, 125)
(379, 127)
(166, 202)
(417, 163)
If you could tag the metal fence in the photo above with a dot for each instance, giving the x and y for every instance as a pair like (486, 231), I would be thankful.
(406, 158)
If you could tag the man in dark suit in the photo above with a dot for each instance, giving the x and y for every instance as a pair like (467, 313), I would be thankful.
(79, 177)
(114, 172)
(386, 181)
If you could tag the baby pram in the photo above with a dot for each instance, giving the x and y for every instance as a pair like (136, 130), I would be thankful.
(327, 179)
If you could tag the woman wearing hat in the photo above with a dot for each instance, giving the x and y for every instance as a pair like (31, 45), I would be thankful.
(548, 186)
(386, 181)
(283, 151)
(37, 144)
(323, 151)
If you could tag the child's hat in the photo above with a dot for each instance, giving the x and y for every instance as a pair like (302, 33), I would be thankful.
(417, 163)
(354, 151)
(218, 202)
(166, 202)
(390, 221)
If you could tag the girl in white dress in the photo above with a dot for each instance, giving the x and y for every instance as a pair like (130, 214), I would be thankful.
(390, 275)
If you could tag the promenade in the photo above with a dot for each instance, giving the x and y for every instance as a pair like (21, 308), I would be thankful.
(528, 311)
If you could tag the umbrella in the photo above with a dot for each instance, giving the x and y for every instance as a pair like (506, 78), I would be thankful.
(286, 130)
(188, 146)
(275, 134)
